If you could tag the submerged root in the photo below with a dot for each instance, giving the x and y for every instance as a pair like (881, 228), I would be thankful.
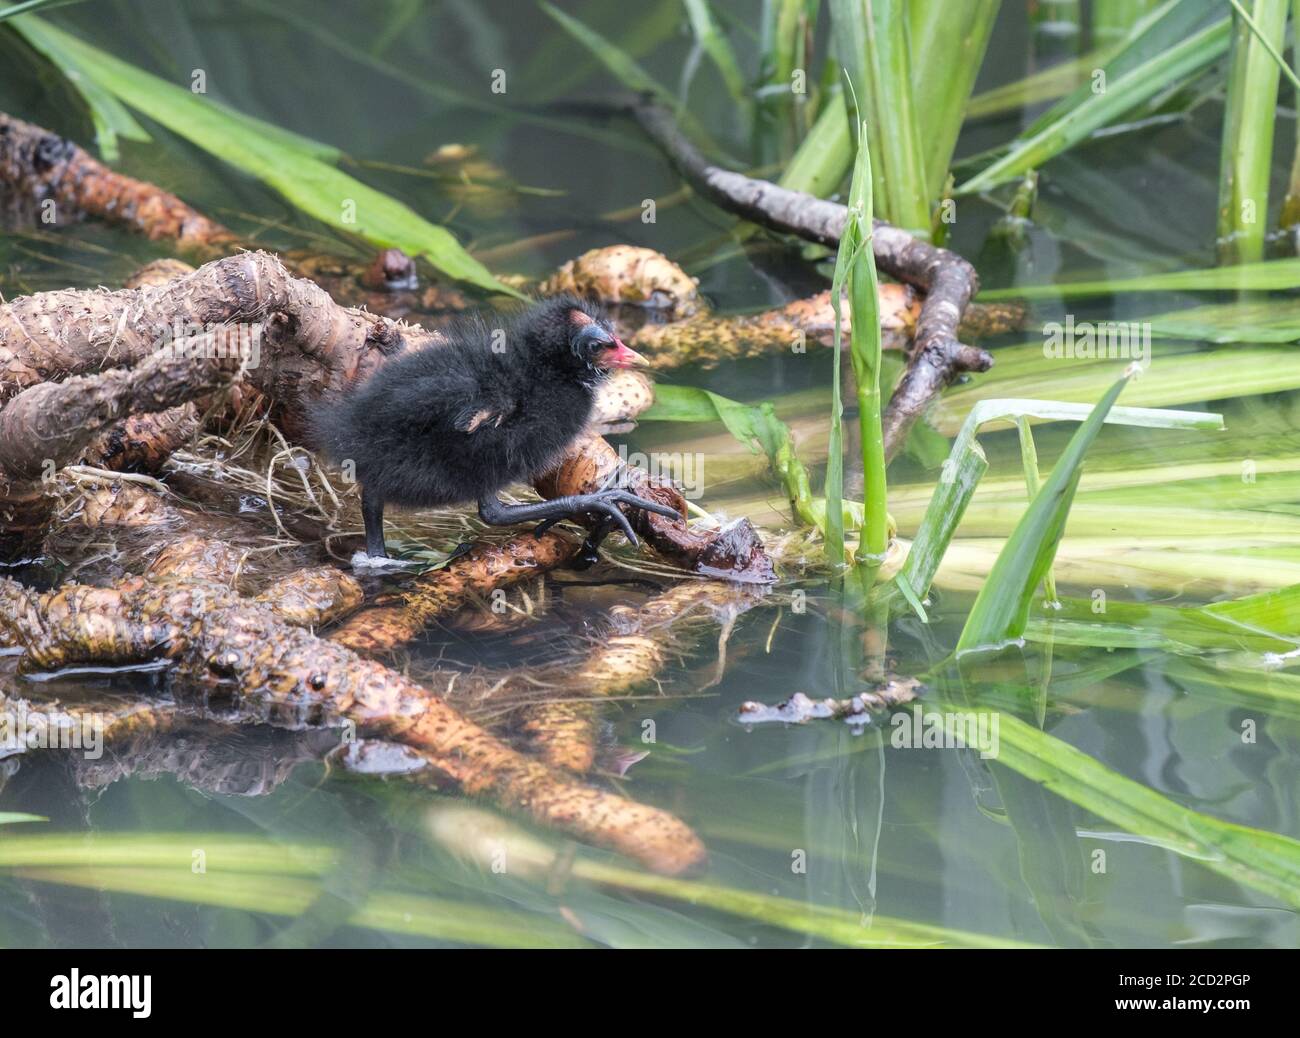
(36, 166)
(233, 646)
(642, 639)
(858, 710)
(396, 618)
(708, 341)
(618, 274)
(305, 598)
(631, 274)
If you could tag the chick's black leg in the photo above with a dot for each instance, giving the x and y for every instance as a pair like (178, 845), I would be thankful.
(589, 554)
(605, 503)
(372, 514)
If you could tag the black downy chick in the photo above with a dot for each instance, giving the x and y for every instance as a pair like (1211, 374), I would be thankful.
(457, 423)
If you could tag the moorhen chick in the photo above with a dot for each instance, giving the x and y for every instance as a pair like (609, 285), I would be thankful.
(457, 423)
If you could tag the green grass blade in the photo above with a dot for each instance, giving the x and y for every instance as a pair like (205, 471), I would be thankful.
(1185, 378)
(947, 43)
(1001, 610)
(1046, 85)
(1249, 115)
(779, 114)
(824, 155)
(1265, 861)
(1112, 20)
(31, 6)
(1273, 320)
(618, 62)
(1290, 214)
(1123, 93)
(966, 465)
(1270, 45)
(14, 817)
(718, 48)
(1033, 481)
(864, 352)
(1262, 623)
(1170, 23)
(872, 45)
(390, 911)
(1265, 276)
(757, 428)
(833, 488)
(108, 115)
(477, 838)
(315, 187)
(960, 476)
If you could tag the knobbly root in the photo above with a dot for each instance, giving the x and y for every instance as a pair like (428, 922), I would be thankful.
(395, 619)
(313, 597)
(857, 710)
(619, 399)
(122, 504)
(562, 733)
(198, 558)
(144, 441)
(109, 721)
(708, 341)
(36, 166)
(50, 425)
(288, 677)
(733, 553)
(641, 641)
(619, 274)
(306, 598)
(310, 346)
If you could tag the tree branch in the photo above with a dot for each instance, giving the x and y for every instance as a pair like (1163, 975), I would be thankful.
(948, 280)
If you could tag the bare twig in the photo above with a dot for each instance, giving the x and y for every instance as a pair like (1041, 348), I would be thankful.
(948, 280)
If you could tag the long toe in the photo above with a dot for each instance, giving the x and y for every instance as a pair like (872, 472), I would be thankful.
(615, 513)
(647, 505)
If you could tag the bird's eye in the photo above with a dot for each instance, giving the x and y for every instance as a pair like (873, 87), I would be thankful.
(591, 339)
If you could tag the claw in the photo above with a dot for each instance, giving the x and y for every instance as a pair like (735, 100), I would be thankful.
(647, 505)
(614, 512)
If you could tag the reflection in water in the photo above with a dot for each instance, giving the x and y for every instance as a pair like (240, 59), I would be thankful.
(818, 832)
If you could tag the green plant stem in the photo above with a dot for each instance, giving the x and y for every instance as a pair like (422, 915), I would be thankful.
(872, 41)
(1290, 215)
(947, 43)
(1248, 120)
(1029, 459)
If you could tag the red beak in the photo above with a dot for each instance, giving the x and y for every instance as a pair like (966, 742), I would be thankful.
(620, 356)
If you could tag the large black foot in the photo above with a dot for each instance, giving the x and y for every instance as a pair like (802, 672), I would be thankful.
(604, 503)
(372, 514)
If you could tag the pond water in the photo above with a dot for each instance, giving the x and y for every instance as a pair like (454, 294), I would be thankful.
(820, 821)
